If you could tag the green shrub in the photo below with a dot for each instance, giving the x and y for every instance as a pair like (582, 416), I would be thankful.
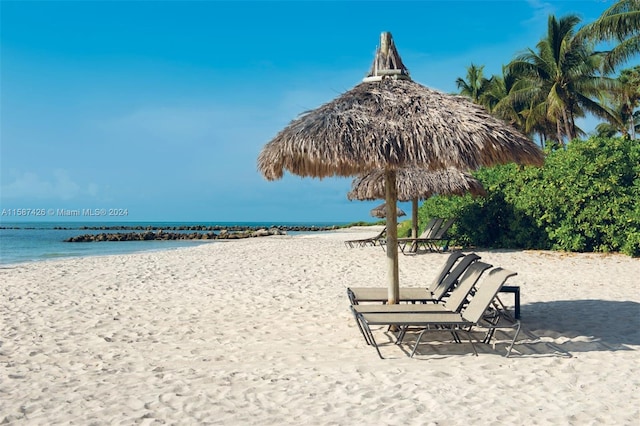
(585, 198)
(593, 205)
(404, 229)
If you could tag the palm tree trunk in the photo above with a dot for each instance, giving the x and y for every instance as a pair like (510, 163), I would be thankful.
(559, 133)
(414, 218)
(567, 127)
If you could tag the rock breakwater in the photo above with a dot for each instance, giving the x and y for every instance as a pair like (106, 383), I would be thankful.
(181, 233)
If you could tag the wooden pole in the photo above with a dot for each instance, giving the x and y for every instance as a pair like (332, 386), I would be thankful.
(385, 44)
(392, 236)
(391, 196)
(414, 218)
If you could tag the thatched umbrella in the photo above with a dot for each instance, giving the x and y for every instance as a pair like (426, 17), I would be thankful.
(381, 211)
(387, 122)
(413, 184)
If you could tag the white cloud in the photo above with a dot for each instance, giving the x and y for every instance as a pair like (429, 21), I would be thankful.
(58, 186)
(541, 11)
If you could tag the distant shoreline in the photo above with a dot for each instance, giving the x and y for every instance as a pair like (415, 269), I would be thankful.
(27, 241)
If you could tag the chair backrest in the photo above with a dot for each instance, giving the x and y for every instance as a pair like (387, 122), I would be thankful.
(485, 293)
(446, 268)
(452, 278)
(381, 234)
(439, 233)
(433, 225)
(459, 294)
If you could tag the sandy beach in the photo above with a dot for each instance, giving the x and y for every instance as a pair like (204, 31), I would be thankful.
(259, 332)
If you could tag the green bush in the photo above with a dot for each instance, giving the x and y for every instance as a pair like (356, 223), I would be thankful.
(404, 229)
(594, 205)
(496, 220)
(585, 198)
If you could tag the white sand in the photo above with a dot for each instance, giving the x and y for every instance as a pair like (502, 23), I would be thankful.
(259, 332)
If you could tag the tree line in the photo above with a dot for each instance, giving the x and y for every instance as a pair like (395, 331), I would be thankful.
(544, 90)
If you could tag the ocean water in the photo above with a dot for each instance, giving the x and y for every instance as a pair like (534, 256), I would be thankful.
(22, 242)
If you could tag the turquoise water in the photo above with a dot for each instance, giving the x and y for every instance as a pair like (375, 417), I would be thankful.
(35, 241)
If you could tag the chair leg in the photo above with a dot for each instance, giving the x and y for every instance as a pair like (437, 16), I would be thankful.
(471, 341)
(493, 327)
(415, 346)
(504, 311)
(362, 330)
(372, 339)
(361, 327)
(513, 341)
(401, 334)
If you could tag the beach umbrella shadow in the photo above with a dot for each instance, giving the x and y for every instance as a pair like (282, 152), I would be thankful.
(584, 325)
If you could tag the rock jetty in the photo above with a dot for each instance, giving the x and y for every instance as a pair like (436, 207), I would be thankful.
(199, 233)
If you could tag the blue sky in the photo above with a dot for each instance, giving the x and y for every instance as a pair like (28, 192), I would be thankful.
(161, 108)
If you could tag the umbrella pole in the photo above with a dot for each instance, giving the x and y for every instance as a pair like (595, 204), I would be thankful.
(414, 224)
(414, 218)
(392, 236)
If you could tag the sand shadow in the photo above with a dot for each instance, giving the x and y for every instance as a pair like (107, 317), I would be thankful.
(584, 325)
(554, 328)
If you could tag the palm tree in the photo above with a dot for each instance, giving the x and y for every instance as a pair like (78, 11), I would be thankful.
(619, 23)
(628, 95)
(609, 130)
(562, 81)
(606, 130)
(624, 101)
(495, 96)
(502, 100)
(475, 84)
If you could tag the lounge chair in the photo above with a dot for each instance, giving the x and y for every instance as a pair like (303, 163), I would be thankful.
(436, 241)
(453, 303)
(429, 231)
(444, 281)
(372, 241)
(470, 317)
